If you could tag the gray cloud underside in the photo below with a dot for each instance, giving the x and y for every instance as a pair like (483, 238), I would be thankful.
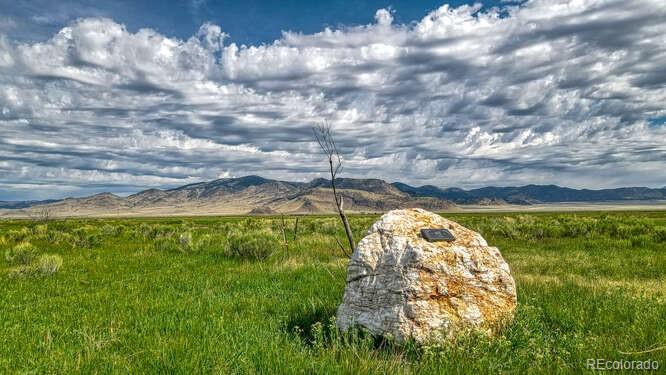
(554, 92)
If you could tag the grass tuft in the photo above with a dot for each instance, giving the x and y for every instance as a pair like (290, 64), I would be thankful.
(21, 254)
(253, 245)
(48, 264)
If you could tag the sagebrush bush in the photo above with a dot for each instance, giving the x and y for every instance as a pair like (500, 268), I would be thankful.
(253, 244)
(48, 264)
(51, 234)
(204, 242)
(85, 238)
(41, 230)
(150, 232)
(58, 237)
(250, 223)
(329, 226)
(21, 254)
(110, 230)
(166, 243)
(185, 242)
(224, 227)
(169, 242)
(209, 242)
(533, 227)
(142, 230)
(659, 235)
(22, 271)
(18, 235)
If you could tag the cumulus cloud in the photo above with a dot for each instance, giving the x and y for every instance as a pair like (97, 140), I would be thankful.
(383, 17)
(541, 92)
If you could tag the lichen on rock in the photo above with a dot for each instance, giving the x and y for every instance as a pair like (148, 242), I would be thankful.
(402, 286)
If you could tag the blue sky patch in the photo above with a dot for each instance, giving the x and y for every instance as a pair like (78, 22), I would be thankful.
(656, 122)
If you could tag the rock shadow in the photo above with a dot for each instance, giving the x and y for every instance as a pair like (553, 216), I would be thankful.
(317, 328)
(309, 326)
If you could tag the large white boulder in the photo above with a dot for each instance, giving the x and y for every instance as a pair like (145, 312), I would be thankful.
(402, 286)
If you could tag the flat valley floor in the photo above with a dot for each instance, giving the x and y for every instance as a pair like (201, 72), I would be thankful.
(259, 295)
(237, 209)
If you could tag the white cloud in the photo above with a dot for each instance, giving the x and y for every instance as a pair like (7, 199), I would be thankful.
(552, 92)
(384, 17)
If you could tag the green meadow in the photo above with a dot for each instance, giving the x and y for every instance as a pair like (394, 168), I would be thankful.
(259, 295)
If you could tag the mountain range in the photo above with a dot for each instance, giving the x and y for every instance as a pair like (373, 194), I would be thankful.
(534, 194)
(258, 195)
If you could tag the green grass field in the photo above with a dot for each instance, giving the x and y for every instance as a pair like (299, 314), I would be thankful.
(226, 295)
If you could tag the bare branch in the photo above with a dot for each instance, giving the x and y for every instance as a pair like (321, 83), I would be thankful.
(324, 137)
(296, 229)
(44, 214)
(344, 251)
(284, 231)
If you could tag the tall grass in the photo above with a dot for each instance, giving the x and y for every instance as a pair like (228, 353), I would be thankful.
(21, 254)
(228, 295)
(251, 244)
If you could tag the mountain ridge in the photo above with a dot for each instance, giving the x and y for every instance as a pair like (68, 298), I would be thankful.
(533, 194)
(258, 195)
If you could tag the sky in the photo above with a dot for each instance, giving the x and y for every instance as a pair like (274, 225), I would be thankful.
(122, 96)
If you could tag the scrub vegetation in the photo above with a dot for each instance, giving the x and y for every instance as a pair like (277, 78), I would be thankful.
(239, 295)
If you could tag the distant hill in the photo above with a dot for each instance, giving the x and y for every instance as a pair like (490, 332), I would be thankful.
(532, 194)
(24, 204)
(257, 195)
(246, 195)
